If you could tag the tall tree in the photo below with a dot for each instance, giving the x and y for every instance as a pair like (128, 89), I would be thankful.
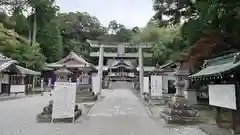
(165, 41)
(76, 28)
(18, 48)
(50, 41)
(118, 32)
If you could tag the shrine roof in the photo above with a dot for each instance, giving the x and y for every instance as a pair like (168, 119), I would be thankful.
(45, 68)
(218, 65)
(121, 63)
(26, 71)
(71, 61)
(71, 56)
(5, 63)
(163, 68)
(63, 70)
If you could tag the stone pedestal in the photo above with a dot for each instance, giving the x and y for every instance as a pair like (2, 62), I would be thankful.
(178, 110)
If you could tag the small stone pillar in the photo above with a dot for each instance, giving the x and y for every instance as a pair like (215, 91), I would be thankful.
(42, 84)
(34, 81)
(178, 110)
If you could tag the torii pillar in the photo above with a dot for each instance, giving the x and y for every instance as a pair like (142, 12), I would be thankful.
(141, 70)
(100, 66)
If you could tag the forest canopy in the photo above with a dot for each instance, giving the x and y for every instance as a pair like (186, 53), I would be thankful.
(34, 32)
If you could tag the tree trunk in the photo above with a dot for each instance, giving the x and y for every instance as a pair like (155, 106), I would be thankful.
(30, 32)
(34, 33)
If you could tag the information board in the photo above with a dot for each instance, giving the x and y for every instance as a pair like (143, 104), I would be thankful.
(146, 85)
(95, 84)
(64, 96)
(222, 95)
(156, 86)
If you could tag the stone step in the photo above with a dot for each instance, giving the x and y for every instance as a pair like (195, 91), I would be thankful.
(157, 101)
(84, 93)
(86, 99)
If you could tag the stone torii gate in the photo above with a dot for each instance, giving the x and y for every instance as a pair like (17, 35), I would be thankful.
(100, 65)
(120, 53)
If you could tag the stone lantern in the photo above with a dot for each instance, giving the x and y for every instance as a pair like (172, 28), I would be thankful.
(178, 110)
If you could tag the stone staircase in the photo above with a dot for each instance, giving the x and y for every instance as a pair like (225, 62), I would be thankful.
(85, 96)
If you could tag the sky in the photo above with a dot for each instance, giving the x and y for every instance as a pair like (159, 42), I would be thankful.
(130, 13)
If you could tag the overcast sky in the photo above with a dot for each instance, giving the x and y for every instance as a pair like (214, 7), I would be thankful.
(131, 13)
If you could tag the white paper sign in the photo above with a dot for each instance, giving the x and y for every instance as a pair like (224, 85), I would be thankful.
(17, 88)
(222, 96)
(64, 96)
(146, 85)
(156, 86)
(95, 84)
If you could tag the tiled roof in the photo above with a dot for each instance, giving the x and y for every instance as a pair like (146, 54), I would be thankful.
(26, 71)
(219, 65)
(72, 56)
(63, 70)
(5, 63)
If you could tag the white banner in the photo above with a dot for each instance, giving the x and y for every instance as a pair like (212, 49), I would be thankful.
(17, 88)
(95, 84)
(222, 96)
(64, 96)
(156, 86)
(146, 85)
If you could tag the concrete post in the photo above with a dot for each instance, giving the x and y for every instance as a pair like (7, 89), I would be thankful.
(42, 84)
(141, 70)
(100, 66)
(33, 83)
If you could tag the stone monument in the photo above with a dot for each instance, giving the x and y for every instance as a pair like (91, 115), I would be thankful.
(178, 110)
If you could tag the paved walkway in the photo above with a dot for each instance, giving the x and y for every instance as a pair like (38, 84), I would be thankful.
(119, 113)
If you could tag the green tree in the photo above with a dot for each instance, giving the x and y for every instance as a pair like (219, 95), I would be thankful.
(50, 42)
(118, 32)
(165, 41)
(18, 48)
(221, 16)
(76, 28)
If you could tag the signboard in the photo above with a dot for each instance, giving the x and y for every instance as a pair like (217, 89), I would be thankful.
(64, 96)
(95, 84)
(17, 88)
(156, 86)
(146, 85)
(222, 95)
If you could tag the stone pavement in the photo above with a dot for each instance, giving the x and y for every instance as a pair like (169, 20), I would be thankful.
(119, 113)
(5, 97)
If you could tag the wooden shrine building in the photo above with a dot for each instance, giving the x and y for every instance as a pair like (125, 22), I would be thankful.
(80, 69)
(14, 78)
(121, 69)
(167, 73)
(222, 76)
